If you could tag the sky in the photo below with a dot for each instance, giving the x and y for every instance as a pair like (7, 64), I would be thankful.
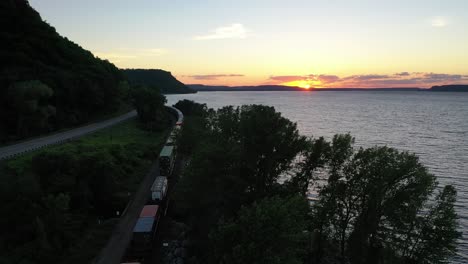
(306, 43)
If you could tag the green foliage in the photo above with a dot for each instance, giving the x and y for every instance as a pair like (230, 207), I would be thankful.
(371, 207)
(55, 197)
(157, 78)
(435, 235)
(272, 230)
(269, 143)
(190, 108)
(196, 125)
(375, 205)
(46, 81)
(195, 128)
(244, 151)
(225, 172)
(315, 156)
(149, 104)
(30, 102)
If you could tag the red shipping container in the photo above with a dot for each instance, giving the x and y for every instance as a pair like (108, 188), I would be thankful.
(149, 211)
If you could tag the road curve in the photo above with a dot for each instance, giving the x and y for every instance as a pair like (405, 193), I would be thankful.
(59, 138)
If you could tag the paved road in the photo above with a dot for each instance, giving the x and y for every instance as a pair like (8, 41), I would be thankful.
(20, 148)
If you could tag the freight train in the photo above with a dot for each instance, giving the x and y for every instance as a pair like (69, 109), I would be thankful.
(146, 226)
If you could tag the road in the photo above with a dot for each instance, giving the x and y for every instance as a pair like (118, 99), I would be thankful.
(117, 244)
(33, 144)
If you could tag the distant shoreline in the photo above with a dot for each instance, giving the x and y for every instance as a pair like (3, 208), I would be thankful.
(274, 88)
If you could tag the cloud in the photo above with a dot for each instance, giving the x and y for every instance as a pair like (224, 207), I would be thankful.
(214, 76)
(402, 74)
(402, 79)
(366, 77)
(442, 76)
(233, 31)
(287, 78)
(439, 22)
(323, 78)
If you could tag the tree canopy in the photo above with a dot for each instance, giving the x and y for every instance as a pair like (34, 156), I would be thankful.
(34, 56)
(149, 104)
(154, 77)
(272, 230)
(247, 183)
(374, 207)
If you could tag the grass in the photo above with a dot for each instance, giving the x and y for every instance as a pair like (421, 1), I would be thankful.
(91, 243)
(122, 134)
(123, 109)
(140, 148)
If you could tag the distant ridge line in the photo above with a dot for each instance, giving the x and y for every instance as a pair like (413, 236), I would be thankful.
(208, 88)
(213, 88)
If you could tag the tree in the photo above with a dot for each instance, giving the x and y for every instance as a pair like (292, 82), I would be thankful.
(315, 156)
(269, 144)
(272, 230)
(333, 211)
(239, 158)
(190, 108)
(30, 101)
(149, 104)
(372, 205)
(35, 56)
(435, 236)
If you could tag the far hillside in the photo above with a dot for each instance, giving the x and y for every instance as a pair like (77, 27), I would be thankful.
(161, 79)
(450, 88)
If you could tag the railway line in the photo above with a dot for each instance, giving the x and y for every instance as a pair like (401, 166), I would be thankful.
(135, 233)
(124, 234)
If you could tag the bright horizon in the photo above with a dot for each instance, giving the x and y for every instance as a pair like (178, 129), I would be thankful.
(363, 44)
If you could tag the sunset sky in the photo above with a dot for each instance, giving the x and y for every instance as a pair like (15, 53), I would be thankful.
(328, 43)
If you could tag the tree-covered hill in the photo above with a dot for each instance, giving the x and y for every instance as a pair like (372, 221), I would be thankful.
(164, 80)
(450, 88)
(46, 81)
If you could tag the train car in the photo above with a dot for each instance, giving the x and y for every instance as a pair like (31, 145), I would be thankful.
(170, 141)
(159, 189)
(166, 160)
(179, 115)
(145, 230)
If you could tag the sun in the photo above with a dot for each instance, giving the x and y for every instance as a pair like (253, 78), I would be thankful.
(304, 84)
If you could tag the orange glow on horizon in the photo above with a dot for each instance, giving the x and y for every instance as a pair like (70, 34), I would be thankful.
(305, 84)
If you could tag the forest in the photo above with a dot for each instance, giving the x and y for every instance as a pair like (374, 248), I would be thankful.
(244, 195)
(160, 78)
(48, 82)
(63, 201)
